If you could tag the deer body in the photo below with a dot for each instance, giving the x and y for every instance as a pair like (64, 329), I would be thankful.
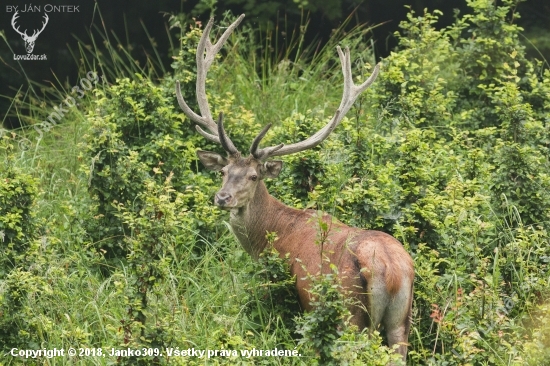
(373, 267)
(364, 257)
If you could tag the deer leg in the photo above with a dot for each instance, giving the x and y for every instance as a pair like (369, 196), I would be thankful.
(399, 335)
(397, 320)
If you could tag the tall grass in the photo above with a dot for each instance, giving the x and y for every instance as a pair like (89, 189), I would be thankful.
(274, 82)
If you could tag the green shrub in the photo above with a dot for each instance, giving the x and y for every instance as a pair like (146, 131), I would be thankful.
(18, 224)
(154, 232)
(20, 322)
(537, 349)
(137, 135)
(355, 348)
(272, 292)
(324, 324)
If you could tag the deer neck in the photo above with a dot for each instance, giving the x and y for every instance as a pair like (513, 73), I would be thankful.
(252, 222)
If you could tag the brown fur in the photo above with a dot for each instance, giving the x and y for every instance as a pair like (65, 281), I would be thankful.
(377, 253)
(373, 266)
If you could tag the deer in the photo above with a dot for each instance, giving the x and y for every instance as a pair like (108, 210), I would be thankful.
(29, 40)
(373, 267)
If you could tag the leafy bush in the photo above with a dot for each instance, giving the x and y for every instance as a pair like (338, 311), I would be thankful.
(355, 348)
(19, 322)
(137, 135)
(18, 225)
(272, 291)
(321, 327)
(447, 151)
(154, 231)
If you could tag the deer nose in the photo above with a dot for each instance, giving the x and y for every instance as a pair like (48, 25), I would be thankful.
(222, 198)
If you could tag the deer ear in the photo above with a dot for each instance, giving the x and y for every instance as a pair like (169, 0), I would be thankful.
(212, 161)
(272, 168)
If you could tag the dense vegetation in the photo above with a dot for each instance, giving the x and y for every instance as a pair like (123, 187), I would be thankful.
(109, 238)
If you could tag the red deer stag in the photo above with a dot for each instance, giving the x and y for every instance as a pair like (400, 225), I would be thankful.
(373, 266)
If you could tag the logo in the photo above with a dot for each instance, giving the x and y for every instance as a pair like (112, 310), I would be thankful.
(29, 40)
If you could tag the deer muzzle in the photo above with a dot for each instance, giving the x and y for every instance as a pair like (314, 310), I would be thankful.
(222, 199)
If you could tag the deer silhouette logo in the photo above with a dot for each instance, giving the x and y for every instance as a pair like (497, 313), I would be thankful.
(29, 40)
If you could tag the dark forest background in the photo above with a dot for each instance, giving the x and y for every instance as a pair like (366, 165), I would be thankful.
(143, 25)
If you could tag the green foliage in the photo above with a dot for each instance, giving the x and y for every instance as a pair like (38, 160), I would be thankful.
(18, 232)
(447, 151)
(18, 224)
(136, 136)
(154, 232)
(355, 348)
(415, 84)
(537, 349)
(308, 169)
(272, 291)
(321, 327)
(19, 322)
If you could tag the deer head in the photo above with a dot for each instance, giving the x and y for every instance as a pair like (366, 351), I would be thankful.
(29, 40)
(241, 175)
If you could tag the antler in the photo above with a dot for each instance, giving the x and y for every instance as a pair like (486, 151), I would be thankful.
(24, 34)
(351, 92)
(204, 61)
(206, 53)
(13, 19)
(37, 32)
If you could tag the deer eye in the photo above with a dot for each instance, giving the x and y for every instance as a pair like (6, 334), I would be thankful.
(253, 177)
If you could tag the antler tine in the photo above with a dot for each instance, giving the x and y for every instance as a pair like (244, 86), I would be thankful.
(208, 136)
(13, 19)
(36, 32)
(352, 91)
(221, 138)
(44, 23)
(203, 64)
(262, 154)
(206, 53)
(349, 95)
(224, 139)
(212, 50)
(210, 124)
